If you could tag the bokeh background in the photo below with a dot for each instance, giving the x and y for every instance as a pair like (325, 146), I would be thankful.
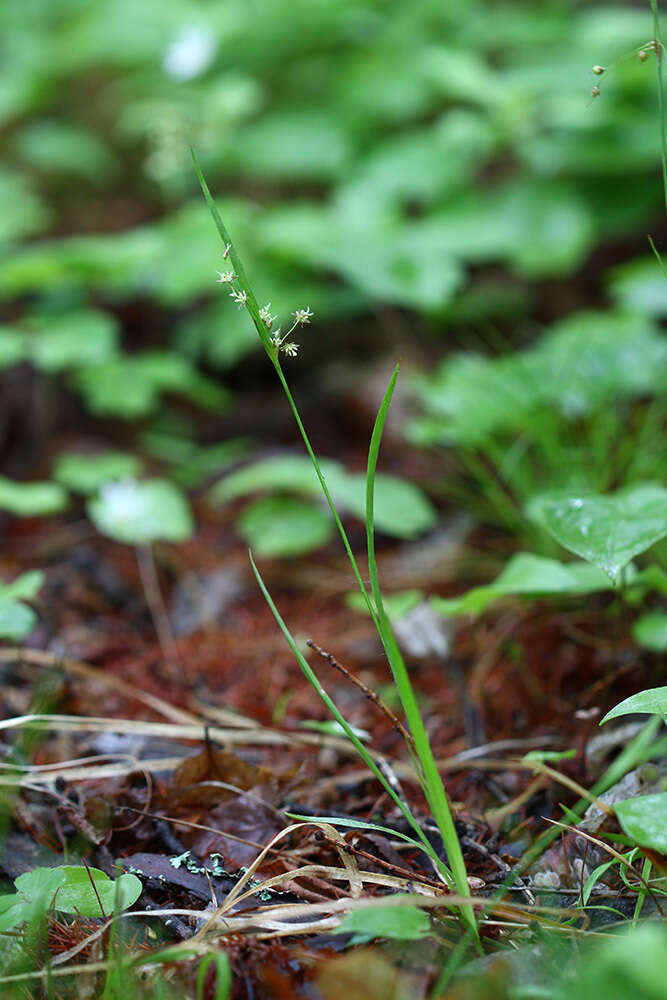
(425, 176)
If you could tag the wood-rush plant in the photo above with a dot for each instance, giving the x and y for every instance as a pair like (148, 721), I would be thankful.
(276, 343)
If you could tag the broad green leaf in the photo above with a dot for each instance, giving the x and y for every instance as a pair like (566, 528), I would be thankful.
(582, 363)
(527, 575)
(401, 509)
(74, 892)
(22, 211)
(644, 818)
(130, 387)
(401, 923)
(62, 148)
(85, 474)
(31, 499)
(609, 530)
(653, 701)
(13, 911)
(284, 472)
(16, 620)
(140, 512)
(284, 526)
(118, 388)
(640, 285)
(650, 631)
(73, 340)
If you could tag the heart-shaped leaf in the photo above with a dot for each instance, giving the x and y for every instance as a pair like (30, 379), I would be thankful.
(609, 530)
(138, 513)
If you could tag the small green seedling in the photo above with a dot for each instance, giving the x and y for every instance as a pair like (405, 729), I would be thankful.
(70, 889)
(17, 619)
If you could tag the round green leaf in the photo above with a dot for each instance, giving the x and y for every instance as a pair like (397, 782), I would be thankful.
(644, 818)
(138, 513)
(16, 620)
(282, 526)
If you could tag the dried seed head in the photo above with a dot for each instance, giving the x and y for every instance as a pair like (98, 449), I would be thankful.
(595, 91)
(598, 70)
(228, 246)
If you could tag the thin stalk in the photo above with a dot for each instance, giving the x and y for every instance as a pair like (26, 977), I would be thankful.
(158, 610)
(434, 788)
(659, 50)
(641, 892)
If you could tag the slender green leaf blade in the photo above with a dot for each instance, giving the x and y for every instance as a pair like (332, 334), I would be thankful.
(653, 701)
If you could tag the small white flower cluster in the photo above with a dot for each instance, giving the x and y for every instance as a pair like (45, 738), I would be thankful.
(279, 340)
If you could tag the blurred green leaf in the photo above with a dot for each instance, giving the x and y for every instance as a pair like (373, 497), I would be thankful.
(84, 473)
(31, 499)
(644, 818)
(73, 340)
(400, 923)
(284, 526)
(528, 575)
(609, 530)
(650, 631)
(138, 513)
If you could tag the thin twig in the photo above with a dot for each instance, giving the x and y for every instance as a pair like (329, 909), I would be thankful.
(368, 692)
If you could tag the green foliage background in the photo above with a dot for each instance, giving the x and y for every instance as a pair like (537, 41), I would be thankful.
(436, 156)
